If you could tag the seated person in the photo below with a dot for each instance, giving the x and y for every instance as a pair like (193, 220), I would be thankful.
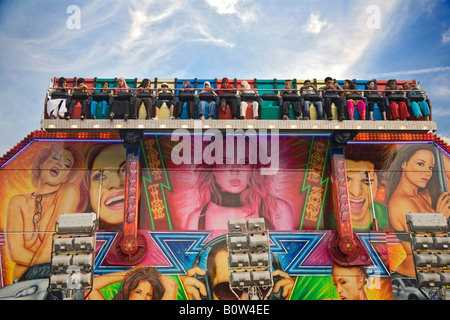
(104, 102)
(307, 91)
(81, 87)
(56, 105)
(350, 88)
(160, 101)
(121, 105)
(245, 88)
(332, 93)
(398, 109)
(202, 104)
(419, 108)
(227, 87)
(144, 88)
(190, 103)
(372, 98)
(284, 105)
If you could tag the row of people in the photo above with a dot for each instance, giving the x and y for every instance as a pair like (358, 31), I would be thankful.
(351, 98)
(122, 102)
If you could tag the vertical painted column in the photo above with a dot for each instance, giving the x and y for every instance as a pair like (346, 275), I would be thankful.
(344, 246)
(346, 242)
(131, 201)
(131, 246)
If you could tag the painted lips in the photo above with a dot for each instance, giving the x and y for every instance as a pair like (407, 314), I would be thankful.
(54, 171)
(356, 205)
(235, 182)
(115, 201)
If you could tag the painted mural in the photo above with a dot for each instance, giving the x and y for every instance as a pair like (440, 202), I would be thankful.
(190, 185)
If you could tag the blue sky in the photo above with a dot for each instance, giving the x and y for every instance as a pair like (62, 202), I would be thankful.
(216, 38)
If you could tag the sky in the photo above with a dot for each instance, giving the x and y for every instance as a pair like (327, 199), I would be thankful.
(264, 39)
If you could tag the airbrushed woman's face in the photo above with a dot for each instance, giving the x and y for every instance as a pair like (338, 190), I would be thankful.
(144, 291)
(109, 170)
(419, 169)
(56, 168)
(348, 281)
(232, 178)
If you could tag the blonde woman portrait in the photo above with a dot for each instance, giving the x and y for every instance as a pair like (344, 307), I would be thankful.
(29, 216)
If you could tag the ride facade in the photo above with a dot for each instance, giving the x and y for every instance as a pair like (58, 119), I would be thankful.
(269, 203)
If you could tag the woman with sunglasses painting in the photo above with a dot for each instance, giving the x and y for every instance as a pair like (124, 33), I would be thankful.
(213, 284)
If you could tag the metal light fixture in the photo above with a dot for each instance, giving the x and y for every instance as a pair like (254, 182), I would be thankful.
(427, 222)
(84, 244)
(240, 279)
(236, 225)
(261, 278)
(249, 258)
(239, 260)
(445, 278)
(422, 243)
(63, 244)
(72, 262)
(443, 260)
(428, 279)
(77, 223)
(259, 259)
(441, 243)
(256, 225)
(258, 241)
(238, 242)
(425, 260)
(61, 262)
(430, 245)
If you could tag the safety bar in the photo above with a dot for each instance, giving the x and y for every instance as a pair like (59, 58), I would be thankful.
(237, 90)
(320, 91)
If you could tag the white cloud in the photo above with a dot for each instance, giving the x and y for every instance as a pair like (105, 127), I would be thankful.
(223, 6)
(440, 92)
(440, 112)
(315, 25)
(410, 72)
(242, 9)
(446, 36)
(208, 38)
(339, 43)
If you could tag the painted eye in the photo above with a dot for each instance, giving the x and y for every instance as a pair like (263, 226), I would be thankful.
(98, 176)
